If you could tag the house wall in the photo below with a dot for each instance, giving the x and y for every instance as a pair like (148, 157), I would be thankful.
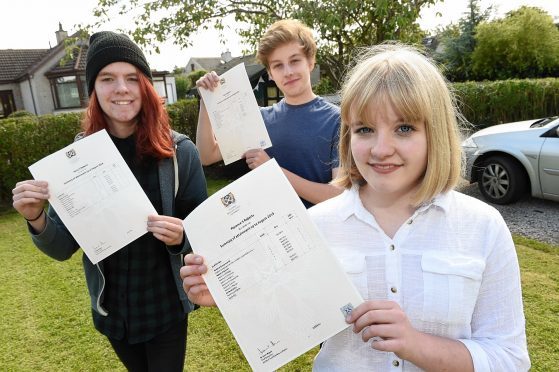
(189, 68)
(171, 89)
(207, 64)
(197, 67)
(43, 95)
(41, 85)
(44, 102)
(166, 88)
(172, 94)
(159, 86)
(26, 97)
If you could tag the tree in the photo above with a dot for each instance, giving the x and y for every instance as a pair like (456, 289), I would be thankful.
(186, 82)
(178, 70)
(181, 82)
(458, 41)
(525, 44)
(341, 25)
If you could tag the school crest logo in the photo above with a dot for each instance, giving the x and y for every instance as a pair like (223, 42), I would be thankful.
(70, 153)
(228, 200)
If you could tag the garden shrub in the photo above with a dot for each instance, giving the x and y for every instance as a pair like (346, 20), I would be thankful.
(20, 113)
(28, 138)
(495, 102)
(24, 139)
(184, 116)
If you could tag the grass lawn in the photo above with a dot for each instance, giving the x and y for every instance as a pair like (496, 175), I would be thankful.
(46, 320)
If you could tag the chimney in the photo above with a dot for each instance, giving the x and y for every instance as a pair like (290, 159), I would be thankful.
(226, 56)
(60, 34)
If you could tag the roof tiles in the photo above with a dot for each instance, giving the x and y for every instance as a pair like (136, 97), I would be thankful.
(15, 62)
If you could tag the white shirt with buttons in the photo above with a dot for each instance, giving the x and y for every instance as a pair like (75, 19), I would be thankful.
(452, 268)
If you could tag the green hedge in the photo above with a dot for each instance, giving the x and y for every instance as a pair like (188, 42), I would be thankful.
(26, 139)
(495, 102)
(184, 116)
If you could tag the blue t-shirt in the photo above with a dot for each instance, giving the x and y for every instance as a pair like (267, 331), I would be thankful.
(304, 138)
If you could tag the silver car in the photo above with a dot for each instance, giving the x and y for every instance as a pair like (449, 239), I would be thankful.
(511, 160)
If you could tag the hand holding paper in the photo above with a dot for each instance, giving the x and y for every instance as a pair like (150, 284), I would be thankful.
(234, 114)
(29, 198)
(166, 228)
(193, 282)
(270, 272)
(95, 195)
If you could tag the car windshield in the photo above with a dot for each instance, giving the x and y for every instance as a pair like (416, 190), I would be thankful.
(540, 123)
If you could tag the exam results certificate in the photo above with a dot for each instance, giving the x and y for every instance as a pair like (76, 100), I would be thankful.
(95, 194)
(277, 284)
(235, 116)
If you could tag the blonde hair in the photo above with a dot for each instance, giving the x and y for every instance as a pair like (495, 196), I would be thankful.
(400, 75)
(283, 32)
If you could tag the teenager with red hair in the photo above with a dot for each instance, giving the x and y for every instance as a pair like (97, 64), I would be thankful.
(136, 293)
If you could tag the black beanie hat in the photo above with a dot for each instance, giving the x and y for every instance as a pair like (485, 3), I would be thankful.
(106, 47)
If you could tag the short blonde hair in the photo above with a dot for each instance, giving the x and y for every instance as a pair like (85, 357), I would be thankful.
(283, 32)
(400, 75)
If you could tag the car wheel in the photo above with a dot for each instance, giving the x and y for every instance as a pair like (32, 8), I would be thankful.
(502, 180)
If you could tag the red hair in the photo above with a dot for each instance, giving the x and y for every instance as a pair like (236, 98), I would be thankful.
(153, 132)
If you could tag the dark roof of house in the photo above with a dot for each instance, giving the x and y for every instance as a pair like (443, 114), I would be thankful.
(253, 68)
(249, 60)
(207, 63)
(15, 62)
(75, 63)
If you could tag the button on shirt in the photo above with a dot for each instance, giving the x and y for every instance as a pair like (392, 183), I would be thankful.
(452, 268)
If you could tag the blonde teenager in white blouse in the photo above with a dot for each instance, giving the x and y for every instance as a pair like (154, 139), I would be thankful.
(438, 269)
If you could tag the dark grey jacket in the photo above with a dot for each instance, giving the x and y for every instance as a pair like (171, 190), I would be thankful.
(57, 242)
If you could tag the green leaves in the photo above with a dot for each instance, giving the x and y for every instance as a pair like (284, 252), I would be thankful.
(525, 44)
(24, 140)
(459, 42)
(341, 25)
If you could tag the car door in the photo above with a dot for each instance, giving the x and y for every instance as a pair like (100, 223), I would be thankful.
(549, 166)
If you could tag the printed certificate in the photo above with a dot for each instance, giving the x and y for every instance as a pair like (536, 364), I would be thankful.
(235, 116)
(272, 275)
(95, 194)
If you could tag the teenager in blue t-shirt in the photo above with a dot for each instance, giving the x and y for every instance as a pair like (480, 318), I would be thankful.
(303, 128)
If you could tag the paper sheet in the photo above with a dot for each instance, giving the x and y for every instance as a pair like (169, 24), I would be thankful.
(235, 116)
(95, 194)
(274, 279)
